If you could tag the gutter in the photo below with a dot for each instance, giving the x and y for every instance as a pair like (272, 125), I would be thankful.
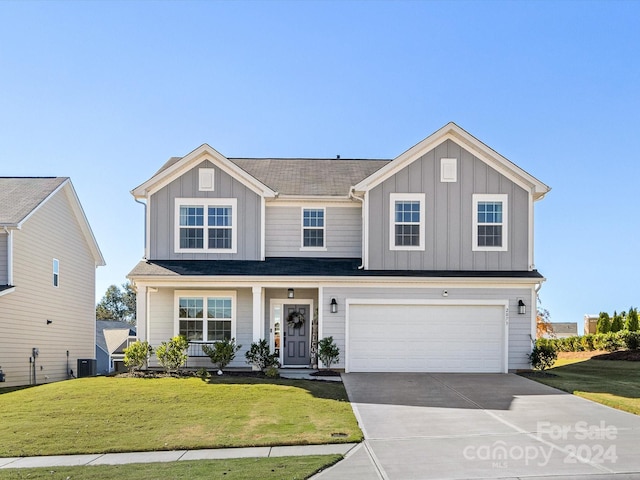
(9, 255)
(145, 225)
(352, 196)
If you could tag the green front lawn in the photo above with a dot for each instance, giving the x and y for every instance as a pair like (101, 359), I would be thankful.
(111, 414)
(234, 469)
(612, 383)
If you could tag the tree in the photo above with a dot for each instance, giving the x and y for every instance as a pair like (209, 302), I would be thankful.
(118, 305)
(632, 323)
(617, 323)
(604, 323)
(328, 352)
(543, 322)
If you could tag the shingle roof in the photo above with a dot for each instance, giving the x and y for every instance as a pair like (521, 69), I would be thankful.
(309, 176)
(296, 266)
(102, 325)
(19, 196)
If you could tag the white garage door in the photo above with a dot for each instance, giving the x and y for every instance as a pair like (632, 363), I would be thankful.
(425, 338)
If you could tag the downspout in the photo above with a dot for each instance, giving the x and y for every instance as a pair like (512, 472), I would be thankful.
(145, 225)
(9, 255)
(361, 200)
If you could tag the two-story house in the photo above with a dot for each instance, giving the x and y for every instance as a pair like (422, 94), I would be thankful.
(48, 260)
(420, 263)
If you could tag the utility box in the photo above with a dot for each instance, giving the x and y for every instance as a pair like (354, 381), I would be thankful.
(87, 367)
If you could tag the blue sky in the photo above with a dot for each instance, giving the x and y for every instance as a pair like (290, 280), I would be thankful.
(106, 92)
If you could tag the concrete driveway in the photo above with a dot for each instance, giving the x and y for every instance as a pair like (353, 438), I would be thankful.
(465, 426)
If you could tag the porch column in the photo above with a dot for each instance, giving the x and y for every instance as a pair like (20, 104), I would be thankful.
(141, 312)
(258, 314)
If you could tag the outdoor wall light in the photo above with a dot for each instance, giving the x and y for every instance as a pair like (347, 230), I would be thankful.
(522, 308)
(49, 322)
(290, 293)
(445, 293)
(334, 306)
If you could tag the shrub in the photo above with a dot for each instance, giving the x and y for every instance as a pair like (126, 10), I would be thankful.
(136, 355)
(328, 352)
(173, 354)
(632, 340)
(272, 372)
(261, 357)
(542, 356)
(222, 353)
(632, 324)
(204, 374)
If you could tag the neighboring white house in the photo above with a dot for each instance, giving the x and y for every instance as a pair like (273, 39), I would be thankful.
(420, 263)
(48, 260)
(562, 330)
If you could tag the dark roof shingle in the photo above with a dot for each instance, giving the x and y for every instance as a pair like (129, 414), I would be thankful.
(19, 196)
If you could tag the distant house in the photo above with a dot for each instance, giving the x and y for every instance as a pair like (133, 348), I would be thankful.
(590, 323)
(111, 339)
(48, 260)
(422, 263)
(562, 330)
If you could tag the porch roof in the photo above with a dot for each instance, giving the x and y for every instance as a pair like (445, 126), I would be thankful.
(296, 266)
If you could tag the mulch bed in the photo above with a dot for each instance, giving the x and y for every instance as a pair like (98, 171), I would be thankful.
(537, 374)
(627, 355)
(325, 373)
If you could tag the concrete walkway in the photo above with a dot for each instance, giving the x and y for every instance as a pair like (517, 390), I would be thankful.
(174, 456)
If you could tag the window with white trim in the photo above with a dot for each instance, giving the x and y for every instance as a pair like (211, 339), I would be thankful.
(490, 222)
(56, 272)
(207, 317)
(407, 221)
(206, 225)
(313, 227)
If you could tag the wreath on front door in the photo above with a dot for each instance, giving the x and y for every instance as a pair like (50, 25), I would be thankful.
(295, 320)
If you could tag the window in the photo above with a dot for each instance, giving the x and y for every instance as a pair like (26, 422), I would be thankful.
(490, 222)
(406, 221)
(206, 316)
(313, 228)
(56, 272)
(206, 225)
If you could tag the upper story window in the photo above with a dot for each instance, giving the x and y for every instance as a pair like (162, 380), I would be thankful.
(490, 222)
(407, 221)
(313, 228)
(206, 225)
(56, 272)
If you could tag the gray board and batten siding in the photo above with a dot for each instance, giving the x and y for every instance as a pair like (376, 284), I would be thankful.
(449, 216)
(343, 232)
(162, 211)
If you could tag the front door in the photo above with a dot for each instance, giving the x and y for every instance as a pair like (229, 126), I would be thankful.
(297, 325)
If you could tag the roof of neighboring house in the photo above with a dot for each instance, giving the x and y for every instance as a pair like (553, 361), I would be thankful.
(296, 266)
(564, 327)
(103, 339)
(19, 196)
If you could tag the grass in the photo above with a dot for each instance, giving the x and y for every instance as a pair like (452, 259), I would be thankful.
(612, 383)
(111, 414)
(233, 469)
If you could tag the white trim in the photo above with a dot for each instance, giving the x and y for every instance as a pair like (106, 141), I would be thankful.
(323, 228)
(282, 302)
(448, 170)
(206, 203)
(258, 324)
(408, 197)
(206, 179)
(453, 132)
(365, 231)
(439, 302)
(204, 294)
(530, 253)
(333, 202)
(490, 197)
(263, 229)
(202, 153)
(7, 291)
(9, 256)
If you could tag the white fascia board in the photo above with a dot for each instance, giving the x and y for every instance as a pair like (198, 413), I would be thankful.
(297, 201)
(7, 291)
(200, 154)
(453, 132)
(316, 282)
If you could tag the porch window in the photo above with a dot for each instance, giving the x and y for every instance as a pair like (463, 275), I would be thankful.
(56, 272)
(206, 316)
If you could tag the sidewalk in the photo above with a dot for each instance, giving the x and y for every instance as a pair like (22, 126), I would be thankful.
(174, 456)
